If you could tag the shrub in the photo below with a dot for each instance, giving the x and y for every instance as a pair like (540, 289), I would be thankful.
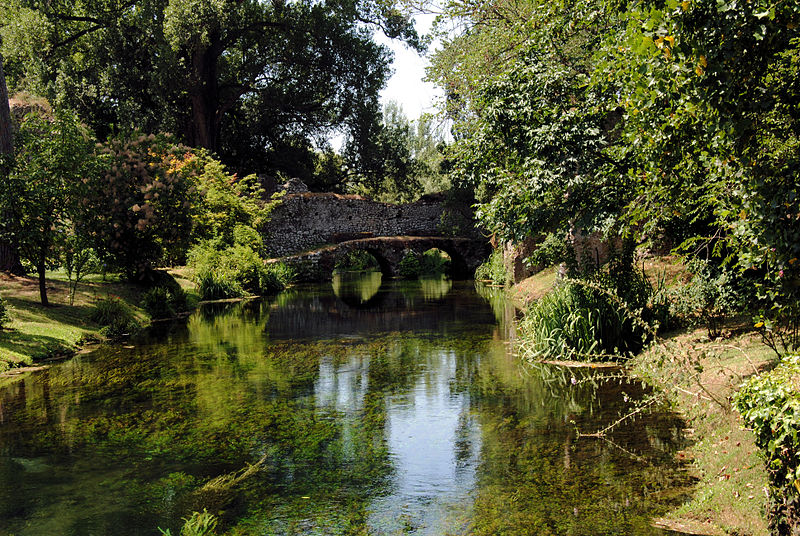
(115, 316)
(235, 271)
(409, 266)
(494, 269)
(214, 285)
(770, 405)
(244, 235)
(600, 318)
(711, 295)
(434, 262)
(164, 302)
(552, 250)
(141, 207)
(278, 276)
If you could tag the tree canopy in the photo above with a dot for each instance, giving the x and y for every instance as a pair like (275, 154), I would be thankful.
(247, 79)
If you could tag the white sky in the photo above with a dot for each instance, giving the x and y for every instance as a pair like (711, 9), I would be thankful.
(406, 86)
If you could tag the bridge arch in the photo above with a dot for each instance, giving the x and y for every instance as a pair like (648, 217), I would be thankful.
(318, 265)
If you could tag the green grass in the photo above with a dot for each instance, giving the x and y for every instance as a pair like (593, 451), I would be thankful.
(36, 333)
(701, 376)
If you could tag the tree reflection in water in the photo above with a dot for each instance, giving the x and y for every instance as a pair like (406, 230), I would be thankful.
(405, 416)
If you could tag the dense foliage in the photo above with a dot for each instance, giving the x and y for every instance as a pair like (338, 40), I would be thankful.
(771, 406)
(130, 204)
(139, 208)
(260, 83)
(493, 269)
(674, 123)
(430, 263)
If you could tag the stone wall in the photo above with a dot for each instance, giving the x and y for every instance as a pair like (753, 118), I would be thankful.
(515, 255)
(304, 221)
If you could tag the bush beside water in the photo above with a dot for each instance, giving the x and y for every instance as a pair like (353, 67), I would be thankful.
(115, 316)
(607, 316)
(770, 405)
(235, 271)
(164, 302)
(494, 269)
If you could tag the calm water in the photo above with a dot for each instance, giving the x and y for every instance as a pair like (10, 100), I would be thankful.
(368, 409)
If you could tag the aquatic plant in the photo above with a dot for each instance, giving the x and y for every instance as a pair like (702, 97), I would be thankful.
(199, 524)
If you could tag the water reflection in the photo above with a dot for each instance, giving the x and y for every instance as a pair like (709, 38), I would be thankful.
(356, 288)
(407, 416)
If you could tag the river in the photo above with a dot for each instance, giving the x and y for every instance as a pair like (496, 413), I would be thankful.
(361, 407)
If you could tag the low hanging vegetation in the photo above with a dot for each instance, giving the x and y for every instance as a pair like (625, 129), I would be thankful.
(770, 404)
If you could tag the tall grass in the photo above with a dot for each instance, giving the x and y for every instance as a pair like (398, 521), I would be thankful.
(598, 319)
(236, 271)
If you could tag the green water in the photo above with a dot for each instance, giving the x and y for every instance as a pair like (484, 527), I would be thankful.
(374, 408)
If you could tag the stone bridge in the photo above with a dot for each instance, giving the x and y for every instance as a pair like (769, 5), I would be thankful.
(318, 265)
(311, 231)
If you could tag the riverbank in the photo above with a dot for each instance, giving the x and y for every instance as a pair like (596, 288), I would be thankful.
(700, 377)
(37, 334)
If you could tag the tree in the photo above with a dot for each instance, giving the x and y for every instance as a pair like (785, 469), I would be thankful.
(380, 157)
(38, 195)
(9, 258)
(239, 77)
(139, 207)
(537, 143)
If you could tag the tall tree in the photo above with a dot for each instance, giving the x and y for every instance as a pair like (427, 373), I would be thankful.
(380, 158)
(535, 141)
(239, 77)
(9, 258)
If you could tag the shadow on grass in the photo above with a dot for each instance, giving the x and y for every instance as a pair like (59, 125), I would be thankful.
(35, 346)
(72, 315)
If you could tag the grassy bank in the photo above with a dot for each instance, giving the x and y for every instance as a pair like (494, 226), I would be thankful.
(699, 377)
(37, 333)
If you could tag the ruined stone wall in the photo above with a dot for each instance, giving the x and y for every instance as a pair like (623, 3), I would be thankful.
(515, 256)
(304, 221)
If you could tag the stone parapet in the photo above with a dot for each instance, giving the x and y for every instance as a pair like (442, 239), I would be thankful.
(304, 221)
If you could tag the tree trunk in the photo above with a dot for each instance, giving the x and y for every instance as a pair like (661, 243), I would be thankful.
(204, 95)
(9, 257)
(6, 144)
(42, 282)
